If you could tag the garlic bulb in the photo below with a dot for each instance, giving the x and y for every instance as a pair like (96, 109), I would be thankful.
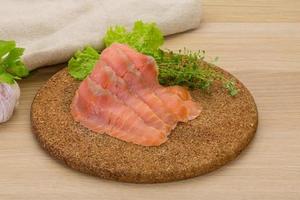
(9, 97)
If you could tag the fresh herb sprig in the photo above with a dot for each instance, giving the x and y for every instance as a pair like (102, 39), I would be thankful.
(11, 66)
(189, 69)
(182, 68)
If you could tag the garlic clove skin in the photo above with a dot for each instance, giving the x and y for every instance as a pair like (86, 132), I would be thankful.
(9, 98)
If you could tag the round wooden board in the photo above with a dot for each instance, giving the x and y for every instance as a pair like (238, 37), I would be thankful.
(223, 129)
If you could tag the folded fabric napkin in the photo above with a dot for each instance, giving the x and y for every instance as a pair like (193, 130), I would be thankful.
(52, 30)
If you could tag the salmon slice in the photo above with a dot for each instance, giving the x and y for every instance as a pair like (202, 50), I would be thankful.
(123, 98)
(148, 70)
(143, 63)
(174, 103)
(83, 110)
(125, 69)
(183, 93)
(194, 108)
(106, 78)
(99, 110)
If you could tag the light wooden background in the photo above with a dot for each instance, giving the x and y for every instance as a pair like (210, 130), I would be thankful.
(256, 40)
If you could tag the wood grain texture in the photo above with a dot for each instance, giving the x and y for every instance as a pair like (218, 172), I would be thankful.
(264, 56)
(251, 11)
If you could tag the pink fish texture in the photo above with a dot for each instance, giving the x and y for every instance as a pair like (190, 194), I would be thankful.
(123, 98)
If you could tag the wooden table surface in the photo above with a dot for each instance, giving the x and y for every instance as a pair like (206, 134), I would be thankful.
(259, 42)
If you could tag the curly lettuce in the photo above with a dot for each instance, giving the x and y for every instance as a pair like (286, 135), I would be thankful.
(144, 37)
(82, 63)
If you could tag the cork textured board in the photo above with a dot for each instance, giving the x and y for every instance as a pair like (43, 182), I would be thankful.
(224, 128)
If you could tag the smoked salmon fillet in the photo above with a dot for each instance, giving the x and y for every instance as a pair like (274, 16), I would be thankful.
(148, 69)
(106, 78)
(106, 113)
(123, 98)
(125, 69)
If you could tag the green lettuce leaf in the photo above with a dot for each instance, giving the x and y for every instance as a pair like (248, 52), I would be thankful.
(144, 37)
(117, 34)
(82, 63)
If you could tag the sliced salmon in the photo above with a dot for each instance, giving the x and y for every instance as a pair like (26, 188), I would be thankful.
(148, 69)
(123, 98)
(106, 78)
(125, 69)
(104, 112)
(194, 108)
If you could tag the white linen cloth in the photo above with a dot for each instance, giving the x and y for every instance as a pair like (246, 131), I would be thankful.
(52, 30)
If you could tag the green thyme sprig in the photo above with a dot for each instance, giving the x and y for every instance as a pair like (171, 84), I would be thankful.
(189, 69)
